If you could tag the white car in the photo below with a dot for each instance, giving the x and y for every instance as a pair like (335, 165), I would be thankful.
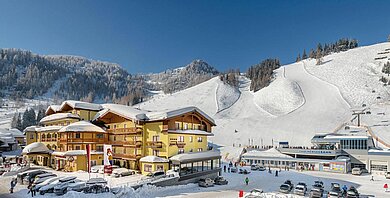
(254, 193)
(356, 171)
(47, 182)
(121, 172)
(300, 190)
(95, 169)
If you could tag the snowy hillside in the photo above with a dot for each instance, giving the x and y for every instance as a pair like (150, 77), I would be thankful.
(356, 73)
(281, 97)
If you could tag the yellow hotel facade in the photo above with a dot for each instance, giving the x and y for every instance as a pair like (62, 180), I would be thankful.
(141, 140)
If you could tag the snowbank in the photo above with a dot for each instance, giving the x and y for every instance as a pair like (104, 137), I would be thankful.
(281, 97)
(82, 126)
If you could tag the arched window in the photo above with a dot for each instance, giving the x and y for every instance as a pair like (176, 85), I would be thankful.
(43, 136)
(48, 146)
(48, 136)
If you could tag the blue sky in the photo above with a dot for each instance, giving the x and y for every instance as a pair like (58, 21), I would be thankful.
(151, 36)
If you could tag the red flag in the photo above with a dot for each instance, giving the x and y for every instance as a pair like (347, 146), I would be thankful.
(88, 147)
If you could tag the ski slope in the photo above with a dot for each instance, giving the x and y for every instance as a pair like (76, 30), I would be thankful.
(322, 110)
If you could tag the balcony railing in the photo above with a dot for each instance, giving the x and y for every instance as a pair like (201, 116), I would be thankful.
(131, 130)
(135, 144)
(124, 155)
(154, 144)
(178, 144)
(80, 140)
(49, 140)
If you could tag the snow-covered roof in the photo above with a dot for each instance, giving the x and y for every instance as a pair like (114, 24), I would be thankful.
(14, 132)
(74, 152)
(154, 159)
(142, 115)
(59, 116)
(177, 112)
(344, 137)
(195, 132)
(81, 126)
(195, 156)
(274, 153)
(81, 105)
(36, 147)
(54, 108)
(42, 129)
(12, 154)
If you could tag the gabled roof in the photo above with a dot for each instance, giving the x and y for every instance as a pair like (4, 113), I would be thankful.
(132, 113)
(59, 116)
(54, 108)
(42, 129)
(14, 132)
(81, 105)
(81, 126)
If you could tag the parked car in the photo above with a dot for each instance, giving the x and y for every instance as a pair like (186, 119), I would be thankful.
(356, 171)
(233, 169)
(387, 175)
(318, 184)
(62, 187)
(335, 190)
(121, 172)
(316, 193)
(285, 188)
(30, 177)
(42, 177)
(46, 182)
(243, 171)
(254, 167)
(22, 175)
(300, 190)
(254, 193)
(220, 181)
(289, 182)
(95, 169)
(156, 174)
(206, 182)
(77, 186)
(352, 193)
(261, 168)
(96, 185)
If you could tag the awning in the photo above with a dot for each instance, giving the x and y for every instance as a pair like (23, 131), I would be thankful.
(196, 156)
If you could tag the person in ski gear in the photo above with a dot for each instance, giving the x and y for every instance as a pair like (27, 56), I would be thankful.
(246, 180)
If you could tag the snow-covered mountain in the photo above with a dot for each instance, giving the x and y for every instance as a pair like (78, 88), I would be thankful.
(303, 99)
(180, 78)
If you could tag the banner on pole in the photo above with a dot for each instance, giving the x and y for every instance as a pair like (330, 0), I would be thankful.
(88, 147)
(108, 157)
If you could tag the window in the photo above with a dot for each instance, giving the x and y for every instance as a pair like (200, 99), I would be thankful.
(93, 163)
(77, 147)
(67, 122)
(160, 167)
(181, 151)
(180, 139)
(147, 168)
(200, 149)
(99, 148)
(114, 126)
(155, 152)
(156, 138)
(191, 150)
(99, 135)
(191, 138)
(31, 136)
(77, 135)
(177, 125)
(124, 126)
(185, 126)
(200, 139)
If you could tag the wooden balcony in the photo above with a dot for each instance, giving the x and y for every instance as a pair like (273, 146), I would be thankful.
(126, 156)
(49, 140)
(164, 128)
(87, 140)
(131, 130)
(133, 144)
(178, 144)
(154, 144)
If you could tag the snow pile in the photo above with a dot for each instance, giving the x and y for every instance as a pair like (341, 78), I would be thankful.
(356, 73)
(36, 147)
(281, 97)
(153, 159)
(226, 96)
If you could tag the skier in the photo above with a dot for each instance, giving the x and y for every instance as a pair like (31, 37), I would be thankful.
(372, 178)
(276, 173)
(246, 180)
(345, 188)
(228, 169)
(224, 168)
(13, 184)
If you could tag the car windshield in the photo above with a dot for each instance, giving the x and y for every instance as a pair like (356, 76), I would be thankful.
(284, 186)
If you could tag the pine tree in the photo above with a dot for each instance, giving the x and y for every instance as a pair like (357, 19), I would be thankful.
(304, 55)
(17, 122)
(312, 54)
(388, 38)
(29, 118)
(298, 58)
(41, 114)
(386, 68)
(319, 57)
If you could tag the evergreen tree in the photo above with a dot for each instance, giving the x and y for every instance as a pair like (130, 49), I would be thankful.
(298, 58)
(17, 122)
(388, 38)
(312, 54)
(29, 118)
(41, 114)
(304, 56)
(386, 68)
(319, 55)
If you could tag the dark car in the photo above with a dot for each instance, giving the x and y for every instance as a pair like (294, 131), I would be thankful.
(335, 192)
(30, 177)
(285, 188)
(352, 193)
(96, 185)
(206, 182)
(243, 171)
(220, 181)
(233, 169)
